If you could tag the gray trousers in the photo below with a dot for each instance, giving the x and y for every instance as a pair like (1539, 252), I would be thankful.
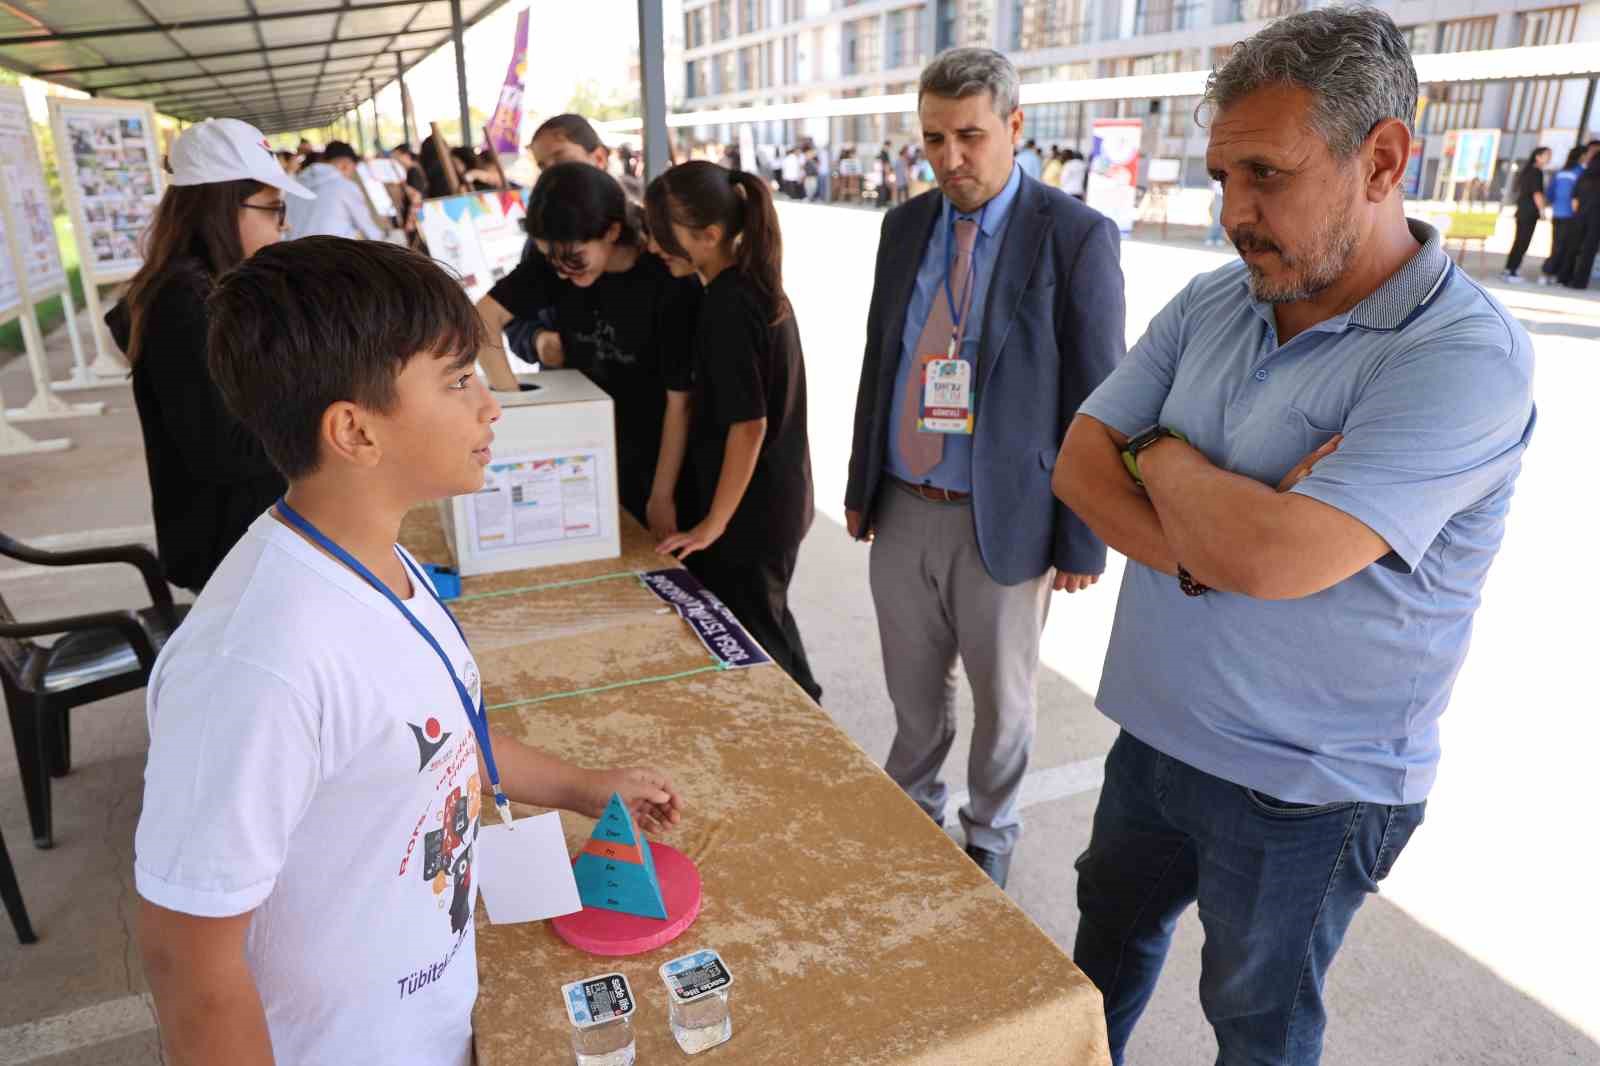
(935, 602)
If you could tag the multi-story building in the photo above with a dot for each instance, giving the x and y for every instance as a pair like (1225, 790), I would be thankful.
(740, 53)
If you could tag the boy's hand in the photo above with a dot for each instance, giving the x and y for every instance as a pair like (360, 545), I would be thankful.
(648, 793)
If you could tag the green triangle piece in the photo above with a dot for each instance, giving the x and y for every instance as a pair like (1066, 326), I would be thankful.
(625, 880)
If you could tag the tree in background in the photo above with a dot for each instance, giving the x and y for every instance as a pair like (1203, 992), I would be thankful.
(588, 101)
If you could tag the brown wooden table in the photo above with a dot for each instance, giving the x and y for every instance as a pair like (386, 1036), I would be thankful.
(857, 931)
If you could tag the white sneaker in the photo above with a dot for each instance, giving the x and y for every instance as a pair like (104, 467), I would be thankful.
(1512, 279)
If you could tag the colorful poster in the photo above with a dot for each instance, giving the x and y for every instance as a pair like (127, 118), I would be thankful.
(1114, 169)
(479, 236)
(505, 126)
(109, 159)
(30, 206)
(530, 500)
(1413, 178)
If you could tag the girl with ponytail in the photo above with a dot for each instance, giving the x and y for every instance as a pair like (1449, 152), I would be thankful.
(747, 451)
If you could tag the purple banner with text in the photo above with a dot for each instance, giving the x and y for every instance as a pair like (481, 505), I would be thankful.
(711, 621)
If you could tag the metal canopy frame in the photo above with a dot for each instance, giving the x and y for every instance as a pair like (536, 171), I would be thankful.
(278, 64)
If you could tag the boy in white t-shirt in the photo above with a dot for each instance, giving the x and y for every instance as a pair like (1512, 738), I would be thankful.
(315, 782)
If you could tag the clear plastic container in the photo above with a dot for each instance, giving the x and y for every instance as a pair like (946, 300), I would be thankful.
(698, 985)
(701, 1023)
(598, 1008)
(607, 1044)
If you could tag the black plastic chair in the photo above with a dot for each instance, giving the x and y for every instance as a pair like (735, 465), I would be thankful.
(12, 896)
(95, 656)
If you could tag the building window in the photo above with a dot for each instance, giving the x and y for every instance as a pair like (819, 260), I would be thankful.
(859, 41)
(722, 14)
(791, 60)
(694, 28)
(1040, 24)
(1458, 105)
(1164, 16)
(1532, 106)
(750, 12)
(1258, 10)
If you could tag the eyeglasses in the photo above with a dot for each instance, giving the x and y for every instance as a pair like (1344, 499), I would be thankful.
(280, 209)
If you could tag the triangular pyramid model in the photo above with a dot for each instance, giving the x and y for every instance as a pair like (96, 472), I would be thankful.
(615, 871)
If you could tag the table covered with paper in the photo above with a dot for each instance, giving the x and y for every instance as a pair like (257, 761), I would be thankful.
(858, 931)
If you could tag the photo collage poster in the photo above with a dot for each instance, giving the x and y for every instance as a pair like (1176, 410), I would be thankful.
(30, 206)
(115, 168)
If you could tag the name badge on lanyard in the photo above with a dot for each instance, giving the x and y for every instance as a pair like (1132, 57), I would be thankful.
(947, 398)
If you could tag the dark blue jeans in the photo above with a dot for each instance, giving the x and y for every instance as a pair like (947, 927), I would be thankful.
(1277, 885)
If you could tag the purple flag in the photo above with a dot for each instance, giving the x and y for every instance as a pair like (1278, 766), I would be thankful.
(506, 125)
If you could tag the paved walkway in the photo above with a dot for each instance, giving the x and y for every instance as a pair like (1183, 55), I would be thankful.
(1477, 952)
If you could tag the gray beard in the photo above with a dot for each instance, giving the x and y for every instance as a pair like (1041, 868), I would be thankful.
(1335, 245)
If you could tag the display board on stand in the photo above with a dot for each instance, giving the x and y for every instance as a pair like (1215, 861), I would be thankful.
(30, 270)
(110, 164)
(1114, 169)
(479, 235)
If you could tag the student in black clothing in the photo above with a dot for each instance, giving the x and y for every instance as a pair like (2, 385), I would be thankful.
(1586, 194)
(1530, 208)
(209, 477)
(620, 317)
(747, 448)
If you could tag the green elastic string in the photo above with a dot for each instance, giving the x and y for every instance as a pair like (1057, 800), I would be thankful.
(543, 588)
(710, 669)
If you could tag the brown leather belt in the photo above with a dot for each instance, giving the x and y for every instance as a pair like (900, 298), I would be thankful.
(938, 495)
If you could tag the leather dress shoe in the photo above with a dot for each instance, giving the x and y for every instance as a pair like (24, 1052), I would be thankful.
(997, 866)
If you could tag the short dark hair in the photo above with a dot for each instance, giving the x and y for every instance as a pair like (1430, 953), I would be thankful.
(339, 150)
(574, 128)
(308, 323)
(575, 202)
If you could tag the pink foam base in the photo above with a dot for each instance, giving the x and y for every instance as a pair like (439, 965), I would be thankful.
(603, 932)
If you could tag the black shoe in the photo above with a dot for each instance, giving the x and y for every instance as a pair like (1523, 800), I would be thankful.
(997, 866)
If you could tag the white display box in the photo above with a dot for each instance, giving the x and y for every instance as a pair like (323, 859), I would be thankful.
(550, 494)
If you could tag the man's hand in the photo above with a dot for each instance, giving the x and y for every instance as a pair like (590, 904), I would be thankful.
(662, 514)
(683, 545)
(647, 792)
(547, 346)
(856, 524)
(1302, 469)
(1069, 583)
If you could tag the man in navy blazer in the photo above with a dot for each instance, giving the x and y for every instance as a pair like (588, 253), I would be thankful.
(997, 308)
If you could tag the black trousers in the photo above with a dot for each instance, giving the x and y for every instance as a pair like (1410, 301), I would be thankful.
(1526, 224)
(1561, 230)
(755, 586)
(1588, 245)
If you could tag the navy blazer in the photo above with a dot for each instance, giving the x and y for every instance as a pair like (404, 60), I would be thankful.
(1052, 331)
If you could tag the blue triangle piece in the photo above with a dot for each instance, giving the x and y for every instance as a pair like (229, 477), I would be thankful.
(617, 882)
(615, 825)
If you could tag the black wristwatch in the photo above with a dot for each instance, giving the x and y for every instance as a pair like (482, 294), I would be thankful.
(1139, 442)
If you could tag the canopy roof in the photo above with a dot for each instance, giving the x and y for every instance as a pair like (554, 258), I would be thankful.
(278, 64)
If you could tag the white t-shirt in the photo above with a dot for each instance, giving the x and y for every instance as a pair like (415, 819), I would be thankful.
(310, 760)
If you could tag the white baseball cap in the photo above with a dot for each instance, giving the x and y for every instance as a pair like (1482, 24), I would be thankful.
(225, 149)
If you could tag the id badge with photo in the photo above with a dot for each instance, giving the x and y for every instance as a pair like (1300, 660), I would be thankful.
(946, 396)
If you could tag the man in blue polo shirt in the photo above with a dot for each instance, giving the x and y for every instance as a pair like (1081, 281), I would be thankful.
(1308, 460)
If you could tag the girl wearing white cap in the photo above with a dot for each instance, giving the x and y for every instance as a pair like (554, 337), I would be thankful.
(209, 478)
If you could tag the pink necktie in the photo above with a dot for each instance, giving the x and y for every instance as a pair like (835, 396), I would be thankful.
(922, 451)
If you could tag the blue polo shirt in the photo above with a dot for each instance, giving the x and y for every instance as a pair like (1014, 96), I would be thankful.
(1335, 696)
(954, 469)
(1562, 182)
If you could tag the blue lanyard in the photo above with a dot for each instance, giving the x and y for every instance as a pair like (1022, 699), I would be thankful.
(949, 265)
(475, 712)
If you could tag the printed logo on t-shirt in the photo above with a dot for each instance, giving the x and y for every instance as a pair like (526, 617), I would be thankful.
(469, 678)
(446, 830)
(430, 738)
(606, 348)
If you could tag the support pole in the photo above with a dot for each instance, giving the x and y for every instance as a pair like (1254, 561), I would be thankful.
(377, 130)
(1588, 109)
(406, 118)
(80, 378)
(457, 37)
(652, 87)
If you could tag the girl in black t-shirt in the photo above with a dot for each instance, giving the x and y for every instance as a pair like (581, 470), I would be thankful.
(620, 317)
(1530, 208)
(747, 453)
